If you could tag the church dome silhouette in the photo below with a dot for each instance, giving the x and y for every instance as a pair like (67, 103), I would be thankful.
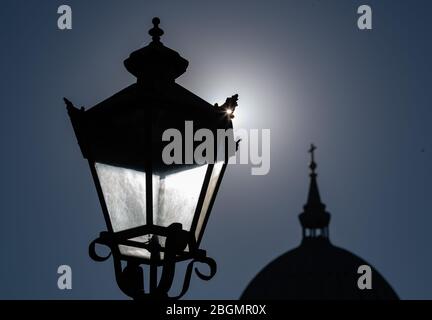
(316, 270)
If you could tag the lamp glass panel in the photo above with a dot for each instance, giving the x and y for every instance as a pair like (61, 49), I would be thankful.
(124, 191)
(215, 176)
(175, 198)
(176, 195)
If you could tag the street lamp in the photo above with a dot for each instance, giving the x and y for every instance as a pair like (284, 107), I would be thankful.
(155, 212)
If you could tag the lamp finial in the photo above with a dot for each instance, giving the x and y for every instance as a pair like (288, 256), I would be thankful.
(156, 32)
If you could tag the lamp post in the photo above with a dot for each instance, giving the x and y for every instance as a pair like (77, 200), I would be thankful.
(155, 212)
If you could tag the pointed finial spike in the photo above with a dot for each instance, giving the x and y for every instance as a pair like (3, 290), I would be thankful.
(314, 216)
(312, 165)
(156, 32)
(312, 150)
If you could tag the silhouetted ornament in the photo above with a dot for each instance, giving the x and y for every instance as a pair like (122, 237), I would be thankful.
(155, 62)
(316, 270)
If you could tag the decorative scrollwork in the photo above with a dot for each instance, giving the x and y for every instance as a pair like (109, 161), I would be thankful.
(206, 260)
(130, 279)
(93, 254)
